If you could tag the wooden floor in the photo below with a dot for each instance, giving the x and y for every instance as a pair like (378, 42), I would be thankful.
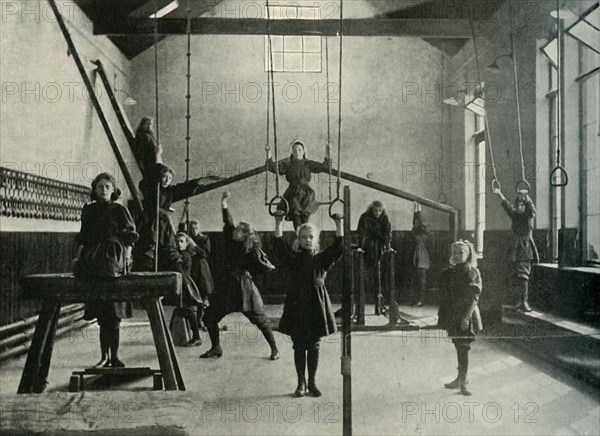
(397, 388)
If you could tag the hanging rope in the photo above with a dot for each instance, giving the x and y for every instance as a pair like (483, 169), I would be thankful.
(156, 117)
(338, 198)
(495, 181)
(278, 199)
(188, 96)
(328, 150)
(267, 146)
(523, 181)
(558, 172)
(442, 195)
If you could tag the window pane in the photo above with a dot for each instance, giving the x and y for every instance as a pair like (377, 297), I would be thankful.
(292, 61)
(586, 34)
(593, 233)
(312, 44)
(312, 62)
(593, 18)
(593, 149)
(551, 51)
(276, 43)
(277, 61)
(295, 53)
(293, 44)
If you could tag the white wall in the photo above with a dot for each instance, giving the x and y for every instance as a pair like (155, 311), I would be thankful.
(390, 130)
(49, 126)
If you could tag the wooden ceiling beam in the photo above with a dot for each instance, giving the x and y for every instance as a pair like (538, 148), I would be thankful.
(419, 28)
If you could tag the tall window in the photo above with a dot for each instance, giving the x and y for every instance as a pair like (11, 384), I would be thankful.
(475, 189)
(582, 68)
(554, 195)
(589, 79)
(293, 53)
(480, 181)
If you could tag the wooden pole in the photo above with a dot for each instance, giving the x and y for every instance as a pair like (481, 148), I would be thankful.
(346, 319)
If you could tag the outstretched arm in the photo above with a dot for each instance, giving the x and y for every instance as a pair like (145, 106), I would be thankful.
(508, 208)
(228, 226)
(280, 246)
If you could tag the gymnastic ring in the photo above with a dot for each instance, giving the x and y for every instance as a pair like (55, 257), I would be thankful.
(564, 172)
(442, 198)
(274, 202)
(528, 189)
(496, 185)
(331, 207)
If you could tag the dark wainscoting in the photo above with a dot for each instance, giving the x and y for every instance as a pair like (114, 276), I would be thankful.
(496, 270)
(274, 285)
(572, 293)
(37, 253)
(25, 253)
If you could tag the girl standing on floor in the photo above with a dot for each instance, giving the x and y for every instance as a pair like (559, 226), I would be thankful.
(523, 251)
(421, 260)
(200, 269)
(244, 258)
(299, 195)
(460, 288)
(190, 298)
(105, 240)
(307, 314)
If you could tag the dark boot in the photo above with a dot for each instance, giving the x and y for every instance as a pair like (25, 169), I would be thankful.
(525, 295)
(300, 363)
(463, 386)
(114, 348)
(462, 352)
(200, 318)
(452, 385)
(312, 360)
(104, 360)
(196, 340)
(215, 340)
(265, 329)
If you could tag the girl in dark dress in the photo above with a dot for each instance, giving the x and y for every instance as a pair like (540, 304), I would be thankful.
(374, 237)
(307, 314)
(147, 151)
(299, 195)
(421, 260)
(169, 194)
(460, 287)
(523, 251)
(200, 269)
(191, 297)
(244, 258)
(105, 240)
(374, 233)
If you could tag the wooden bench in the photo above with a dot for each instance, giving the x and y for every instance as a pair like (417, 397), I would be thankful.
(57, 289)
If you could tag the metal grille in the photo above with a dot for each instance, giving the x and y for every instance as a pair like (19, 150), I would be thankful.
(24, 195)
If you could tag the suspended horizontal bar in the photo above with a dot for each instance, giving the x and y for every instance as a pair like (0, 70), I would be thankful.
(350, 177)
(421, 28)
